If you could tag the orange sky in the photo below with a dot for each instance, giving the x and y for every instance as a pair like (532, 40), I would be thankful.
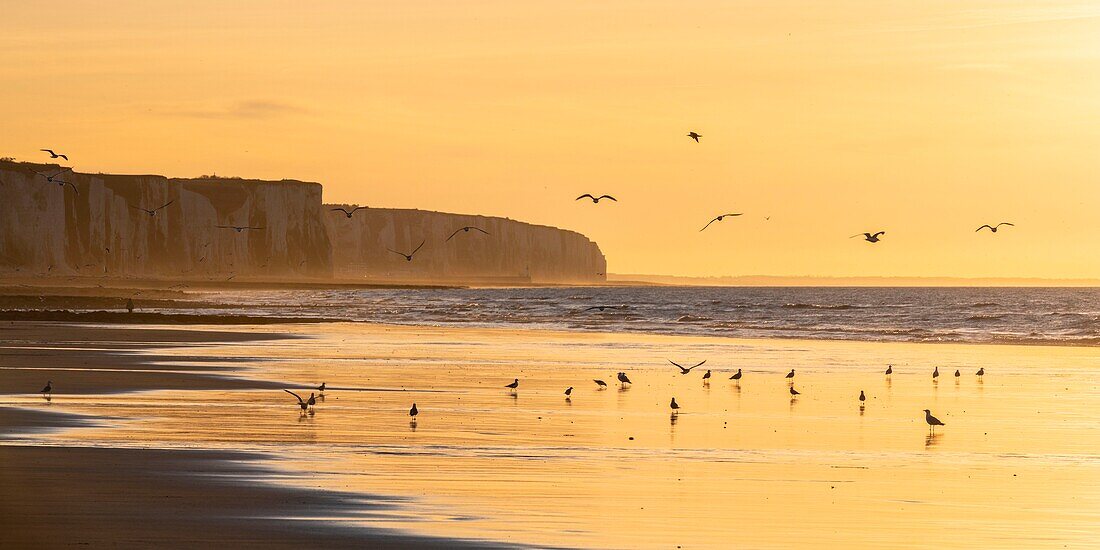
(924, 119)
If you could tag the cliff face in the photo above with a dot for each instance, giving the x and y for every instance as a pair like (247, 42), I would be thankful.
(512, 252)
(94, 228)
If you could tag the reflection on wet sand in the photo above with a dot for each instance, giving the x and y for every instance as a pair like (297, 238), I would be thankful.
(515, 470)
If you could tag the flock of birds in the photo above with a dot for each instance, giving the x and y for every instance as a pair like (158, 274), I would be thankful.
(306, 405)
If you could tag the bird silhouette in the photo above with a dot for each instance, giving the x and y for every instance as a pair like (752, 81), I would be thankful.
(49, 177)
(346, 212)
(993, 228)
(409, 256)
(569, 391)
(596, 200)
(413, 411)
(794, 392)
(869, 237)
(957, 373)
(862, 397)
(981, 372)
(601, 308)
(706, 377)
(684, 370)
(935, 373)
(154, 211)
(790, 375)
(467, 230)
(932, 421)
(717, 219)
(623, 379)
(238, 228)
(695, 136)
(889, 370)
(737, 375)
(600, 384)
(301, 402)
(54, 155)
(513, 385)
(49, 388)
(311, 401)
(674, 405)
(321, 388)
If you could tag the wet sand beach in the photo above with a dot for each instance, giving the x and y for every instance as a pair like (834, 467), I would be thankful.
(741, 464)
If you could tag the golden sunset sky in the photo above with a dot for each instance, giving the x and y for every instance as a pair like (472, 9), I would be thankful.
(923, 119)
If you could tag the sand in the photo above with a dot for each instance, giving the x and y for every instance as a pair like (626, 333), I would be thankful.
(747, 466)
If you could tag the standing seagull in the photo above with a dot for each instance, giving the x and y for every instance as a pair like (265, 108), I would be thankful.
(935, 373)
(932, 421)
(311, 401)
(413, 412)
(466, 229)
(889, 370)
(993, 228)
(862, 397)
(569, 391)
(686, 370)
(674, 406)
(49, 388)
(718, 219)
(981, 372)
(321, 388)
(596, 200)
(869, 237)
(694, 136)
(409, 256)
(736, 376)
(154, 211)
(790, 376)
(513, 385)
(957, 373)
(347, 212)
(623, 378)
(706, 377)
(794, 392)
(600, 384)
(54, 155)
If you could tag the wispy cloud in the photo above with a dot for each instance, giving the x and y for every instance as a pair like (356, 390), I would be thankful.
(242, 110)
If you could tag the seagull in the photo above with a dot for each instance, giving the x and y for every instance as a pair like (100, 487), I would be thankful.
(238, 228)
(50, 178)
(862, 397)
(706, 377)
(936, 373)
(569, 391)
(932, 421)
(794, 392)
(694, 136)
(869, 237)
(790, 374)
(957, 373)
(54, 155)
(153, 212)
(48, 388)
(321, 388)
(596, 200)
(673, 405)
(513, 385)
(993, 228)
(601, 308)
(981, 372)
(466, 229)
(623, 379)
(409, 256)
(311, 401)
(346, 212)
(889, 370)
(686, 370)
(736, 376)
(717, 219)
(301, 402)
(413, 412)
(600, 383)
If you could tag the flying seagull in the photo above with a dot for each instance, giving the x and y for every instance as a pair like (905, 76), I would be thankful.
(50, 178)
(409, 256)
(304, 404)
(346, 212)
(466, 229)
(869, 237)
(717, 219)
(993, 228)
(686, 370)
(694, 136)
(153, 212)
(54, 155)
(596, 199)
(932, 421)
(238, 228)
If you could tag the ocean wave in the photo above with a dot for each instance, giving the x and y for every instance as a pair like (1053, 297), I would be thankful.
(985, 317)
(984, 304)
(822, 306)
(692, 319)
